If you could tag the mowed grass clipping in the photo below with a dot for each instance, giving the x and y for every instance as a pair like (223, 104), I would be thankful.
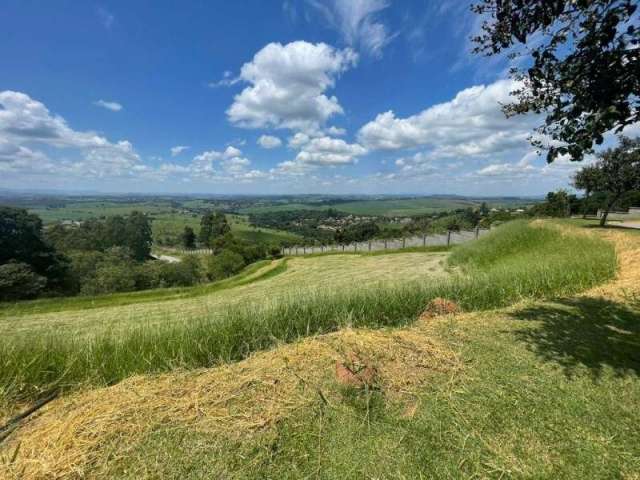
(515, 262)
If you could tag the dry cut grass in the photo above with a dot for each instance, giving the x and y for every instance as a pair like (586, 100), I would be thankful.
(74, 436)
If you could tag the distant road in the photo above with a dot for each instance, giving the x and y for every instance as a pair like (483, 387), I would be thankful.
(630, 225)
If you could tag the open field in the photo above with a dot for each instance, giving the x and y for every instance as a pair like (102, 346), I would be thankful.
(172, 225)
(300, 276)
(390, 207)
(169, 219)
(314, 295)
(544, 389)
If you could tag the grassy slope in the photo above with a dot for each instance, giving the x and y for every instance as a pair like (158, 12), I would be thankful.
(542, 394)
(124, 312)
(30, 364)
(547, 390)
(256, 271)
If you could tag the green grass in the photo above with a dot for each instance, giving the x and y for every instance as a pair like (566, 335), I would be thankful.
(168, 221)
(564, 264)
(171, 225)
(377, 253)
(303, 275)
(257, 271)
(388, 207)
(240, 227)
(548, 391)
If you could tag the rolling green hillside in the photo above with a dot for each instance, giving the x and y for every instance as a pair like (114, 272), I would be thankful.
(534, 374)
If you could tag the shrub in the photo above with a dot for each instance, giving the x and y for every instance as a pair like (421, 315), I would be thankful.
(111, 279)
(224, 264)
(181, 274)
(18, 281)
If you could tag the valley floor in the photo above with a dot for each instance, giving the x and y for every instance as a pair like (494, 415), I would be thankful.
(545, 389)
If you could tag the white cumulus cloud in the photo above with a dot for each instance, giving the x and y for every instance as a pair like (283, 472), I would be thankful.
(329, 151)
(26, 124)
(472, 124)
(288, 85)
(269, 141)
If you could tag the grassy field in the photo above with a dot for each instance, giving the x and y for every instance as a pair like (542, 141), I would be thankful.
(382, 207)
(172, 224)
(168, 220)
(543, 394)
(538, 389)
(126, 312)
(104, 345)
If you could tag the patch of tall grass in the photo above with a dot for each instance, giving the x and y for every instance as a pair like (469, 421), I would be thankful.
(515, 262)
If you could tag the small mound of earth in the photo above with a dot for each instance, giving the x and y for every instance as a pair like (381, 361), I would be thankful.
(71, 436)
(438, 307)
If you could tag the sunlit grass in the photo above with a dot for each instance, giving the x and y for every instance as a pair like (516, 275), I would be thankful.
(537, 262)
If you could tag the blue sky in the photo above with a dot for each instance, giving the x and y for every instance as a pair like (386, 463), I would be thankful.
(282, 96)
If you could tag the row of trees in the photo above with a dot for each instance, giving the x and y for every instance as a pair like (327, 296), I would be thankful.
(613, 181)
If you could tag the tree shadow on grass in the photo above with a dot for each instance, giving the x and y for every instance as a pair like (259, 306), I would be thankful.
(589, 333)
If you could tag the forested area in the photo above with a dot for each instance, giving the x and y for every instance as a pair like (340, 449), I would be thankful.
(108, 255)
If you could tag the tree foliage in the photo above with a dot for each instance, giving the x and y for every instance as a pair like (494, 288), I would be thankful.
(582, 65)
(188, 238)
(22, 242)
(616, 173)
(556, 204)
(132, 232)
(212, 226)
(18, 281)
(224, 264)
(138, 236)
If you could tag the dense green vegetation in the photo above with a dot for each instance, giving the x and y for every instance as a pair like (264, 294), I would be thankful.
(386, 207)
(256, 271)
(29, 265)
(563, 264)
(583, 53)
(111, 254)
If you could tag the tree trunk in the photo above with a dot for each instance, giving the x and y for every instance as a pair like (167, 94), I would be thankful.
(584, 209)
(603, 219)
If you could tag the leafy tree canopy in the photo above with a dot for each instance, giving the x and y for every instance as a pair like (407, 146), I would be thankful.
(583, 71)
(212, 226)
(188, 238)
(21, 241)
(616, 173)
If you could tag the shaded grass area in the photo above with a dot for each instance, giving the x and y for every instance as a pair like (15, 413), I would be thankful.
(252, 273)
(585, 336)
(564, 264)
(548, 391)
